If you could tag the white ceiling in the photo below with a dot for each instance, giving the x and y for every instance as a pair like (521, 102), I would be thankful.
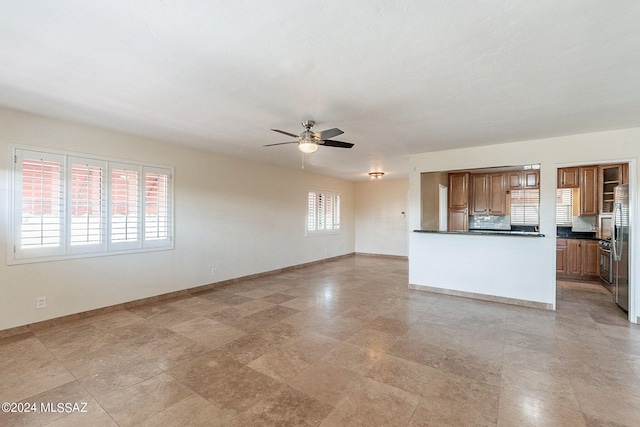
(398, 77)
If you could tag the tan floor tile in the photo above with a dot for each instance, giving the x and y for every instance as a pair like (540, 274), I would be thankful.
(325, 382)
(24, 356)
(82, 409)
(240, 390)
(352, 357)
(16, 386)
(191, 411)
(286, 407)
(142, 401)
(281, 364)
(437, 411)
(376, 403)
(374, 340)
(99, 360)
(200, 372)
(413, 377)
(171, 350)
(540, 386)
(77, 341)
(119, 376)
(517, 410)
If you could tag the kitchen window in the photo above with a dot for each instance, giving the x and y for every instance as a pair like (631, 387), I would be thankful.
(323, 212)
(66, 205)
(525, 207)
(564, 207)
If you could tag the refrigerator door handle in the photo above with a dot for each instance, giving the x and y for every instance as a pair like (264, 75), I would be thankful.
(614, 238)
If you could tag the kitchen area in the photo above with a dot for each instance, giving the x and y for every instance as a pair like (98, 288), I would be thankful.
(495, 201)
(592, 223)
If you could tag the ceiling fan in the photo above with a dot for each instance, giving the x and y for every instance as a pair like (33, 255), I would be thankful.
(308, 141)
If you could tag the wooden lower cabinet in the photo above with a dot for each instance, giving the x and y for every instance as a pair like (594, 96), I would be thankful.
(561, 256)
(577, 259)
(458, 220)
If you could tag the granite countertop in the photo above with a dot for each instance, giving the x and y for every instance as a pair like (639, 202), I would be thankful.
(505, 233)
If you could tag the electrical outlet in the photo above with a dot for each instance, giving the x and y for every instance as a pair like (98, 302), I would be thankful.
(214, 271)
(41, 302)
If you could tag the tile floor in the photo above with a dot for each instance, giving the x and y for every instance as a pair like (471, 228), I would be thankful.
(343, 343)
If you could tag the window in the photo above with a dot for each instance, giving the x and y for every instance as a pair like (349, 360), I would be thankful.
(65, 205)
(564, 207)
(525, 207)
(323, 212)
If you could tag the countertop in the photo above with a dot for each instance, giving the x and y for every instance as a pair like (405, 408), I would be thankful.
(504, 233)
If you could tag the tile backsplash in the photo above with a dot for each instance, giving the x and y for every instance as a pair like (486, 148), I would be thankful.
(489, 222)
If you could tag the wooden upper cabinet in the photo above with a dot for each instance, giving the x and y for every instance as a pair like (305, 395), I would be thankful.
(531, 179)
(458, 190)
(479, 194)
(568, 177)
(488, 194)
(514, 180)
(625, 173)
(588, 190)
(517, 180)
(497, 194)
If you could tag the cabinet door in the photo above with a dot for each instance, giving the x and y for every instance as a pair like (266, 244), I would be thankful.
(568, 178)
(531, 179)
(574, 257)
(458, 220)
(589, 190)
(590, 258)
(514, 180)
(497, 194)
(479, 194)
(561, 256)
(458, 190)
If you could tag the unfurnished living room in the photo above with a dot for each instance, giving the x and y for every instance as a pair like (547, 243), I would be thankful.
(338, 213)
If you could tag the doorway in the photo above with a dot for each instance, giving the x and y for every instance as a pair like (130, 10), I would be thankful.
(591, 218)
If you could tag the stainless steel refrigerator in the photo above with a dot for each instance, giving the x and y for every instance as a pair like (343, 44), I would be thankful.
(620, 246)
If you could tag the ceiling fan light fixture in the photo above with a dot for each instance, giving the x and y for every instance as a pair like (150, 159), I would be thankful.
(376, 175)
(308, 147)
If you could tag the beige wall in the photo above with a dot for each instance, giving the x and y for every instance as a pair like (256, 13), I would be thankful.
(227, 216)
(381, 226)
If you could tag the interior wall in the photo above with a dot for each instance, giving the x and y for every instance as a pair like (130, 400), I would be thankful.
(513, 267)
(238, 216)
(381, 226)
(430, 199)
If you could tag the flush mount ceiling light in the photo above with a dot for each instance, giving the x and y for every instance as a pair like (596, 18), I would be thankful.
(376, 175)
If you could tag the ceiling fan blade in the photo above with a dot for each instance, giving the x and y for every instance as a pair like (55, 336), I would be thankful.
(339, 144)
(329, 133)
(281, 143)
(285, 133)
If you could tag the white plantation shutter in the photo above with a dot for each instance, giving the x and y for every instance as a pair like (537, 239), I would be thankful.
(39, 204)
(125, 206)
(323, 212)
(157, 219)
(68, 205)
(87, 205)
(525, 207)
(312, 209)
